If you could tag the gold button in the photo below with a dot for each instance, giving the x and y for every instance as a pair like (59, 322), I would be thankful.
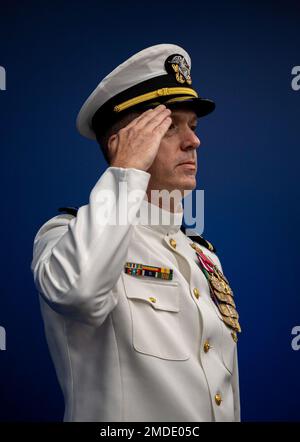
(206, 346)
(173, 243)
(218, 399)
(196, 292)
(151, 299)
(234, 336)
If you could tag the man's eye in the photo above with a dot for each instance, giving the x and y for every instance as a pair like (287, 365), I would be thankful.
(194, 128)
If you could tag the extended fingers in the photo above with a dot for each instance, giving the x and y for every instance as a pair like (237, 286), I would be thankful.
(158, 119)
(163, 126)
(147, 116)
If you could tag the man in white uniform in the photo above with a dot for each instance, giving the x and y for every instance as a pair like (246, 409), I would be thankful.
(139, 319)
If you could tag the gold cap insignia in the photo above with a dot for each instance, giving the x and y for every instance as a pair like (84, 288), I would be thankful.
(178, 65)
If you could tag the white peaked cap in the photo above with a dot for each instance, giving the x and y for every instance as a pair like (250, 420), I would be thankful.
(157, 74)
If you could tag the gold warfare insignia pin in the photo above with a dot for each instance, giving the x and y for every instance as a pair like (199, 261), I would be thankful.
(177, 64)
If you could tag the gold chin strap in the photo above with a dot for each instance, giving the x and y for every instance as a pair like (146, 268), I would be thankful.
(189, 93)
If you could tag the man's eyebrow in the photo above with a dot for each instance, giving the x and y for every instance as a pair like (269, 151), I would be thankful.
(192, 120)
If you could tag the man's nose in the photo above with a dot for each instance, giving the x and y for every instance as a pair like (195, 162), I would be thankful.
(190, 140)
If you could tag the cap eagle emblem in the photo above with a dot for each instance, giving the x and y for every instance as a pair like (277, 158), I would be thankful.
(177, 64)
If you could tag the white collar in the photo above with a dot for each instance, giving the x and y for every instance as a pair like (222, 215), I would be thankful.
(159, 219)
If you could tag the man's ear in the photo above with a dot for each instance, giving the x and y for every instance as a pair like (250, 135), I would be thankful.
(112, 146)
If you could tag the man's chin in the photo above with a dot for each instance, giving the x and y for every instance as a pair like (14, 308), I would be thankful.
(185, 186)
(184, 183)
(188, 183)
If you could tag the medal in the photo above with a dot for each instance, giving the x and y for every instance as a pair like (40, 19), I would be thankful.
(220, 290)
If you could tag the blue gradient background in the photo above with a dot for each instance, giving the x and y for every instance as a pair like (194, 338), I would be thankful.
(242, 53)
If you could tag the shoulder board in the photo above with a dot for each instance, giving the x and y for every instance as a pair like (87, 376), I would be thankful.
(70, 210)
(200, 240)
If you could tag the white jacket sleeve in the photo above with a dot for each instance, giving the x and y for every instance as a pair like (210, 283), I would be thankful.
(77, 260)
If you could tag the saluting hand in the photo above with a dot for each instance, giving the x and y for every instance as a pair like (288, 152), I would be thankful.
(136, 145)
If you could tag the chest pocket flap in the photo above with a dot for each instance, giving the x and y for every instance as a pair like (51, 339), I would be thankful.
(160, 294)
(155, 314)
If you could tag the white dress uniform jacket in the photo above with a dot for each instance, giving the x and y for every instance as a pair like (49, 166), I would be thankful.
(118, 355)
